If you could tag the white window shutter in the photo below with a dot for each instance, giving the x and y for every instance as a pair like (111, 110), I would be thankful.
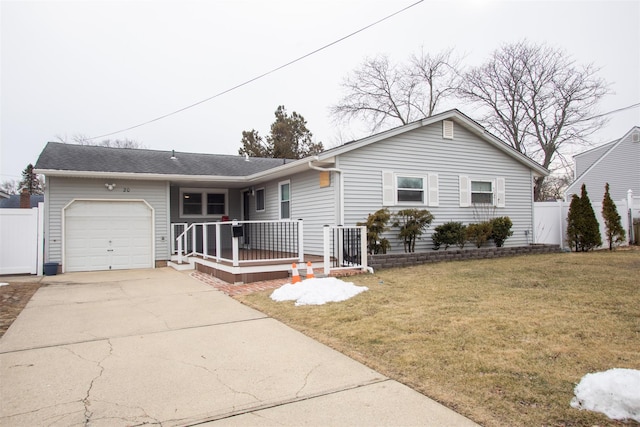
(465, 191)
(434, 199)
(388, 189)
(500, 192)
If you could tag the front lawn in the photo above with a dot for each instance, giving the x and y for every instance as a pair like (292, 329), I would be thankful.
(502, 341)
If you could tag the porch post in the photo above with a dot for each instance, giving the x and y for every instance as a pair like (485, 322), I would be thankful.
(363, 247)
(327, 250)
(218, 247)
(193, 239)
(234, 245)
(300, 242)
(205, 241)
(180, 250)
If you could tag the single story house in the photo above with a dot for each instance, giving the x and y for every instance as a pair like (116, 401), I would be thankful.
(616, 163)
(109, 208)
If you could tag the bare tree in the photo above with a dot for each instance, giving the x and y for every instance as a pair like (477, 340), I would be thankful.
(437, 78)
(10, 186)
(381, 92)
(553, 187)
(81, 139)
(537, 99)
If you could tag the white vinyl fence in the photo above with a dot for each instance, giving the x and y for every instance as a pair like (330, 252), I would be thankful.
(551, 220)
(21, 240)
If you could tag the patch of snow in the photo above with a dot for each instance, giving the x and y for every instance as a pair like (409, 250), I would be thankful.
(3, 284)
(317, 291)
(615, 393)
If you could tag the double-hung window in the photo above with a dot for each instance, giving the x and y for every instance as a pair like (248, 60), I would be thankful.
(202, 203)
(260, 200)
(481, 192)
(285, 200)
(410, 189)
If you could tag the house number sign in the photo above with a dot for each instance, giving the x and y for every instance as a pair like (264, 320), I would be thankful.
(126, 189)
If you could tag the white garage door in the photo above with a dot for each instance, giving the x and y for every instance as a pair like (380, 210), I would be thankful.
(108, 235)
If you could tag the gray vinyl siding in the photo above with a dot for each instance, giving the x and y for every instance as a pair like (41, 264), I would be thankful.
(61, 191)
(314, 205)
(423, 151)
(620, 167)
(584, 160)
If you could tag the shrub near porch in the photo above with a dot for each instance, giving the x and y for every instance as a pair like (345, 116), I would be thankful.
(502, 341)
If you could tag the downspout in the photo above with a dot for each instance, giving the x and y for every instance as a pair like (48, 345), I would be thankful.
(340, 184)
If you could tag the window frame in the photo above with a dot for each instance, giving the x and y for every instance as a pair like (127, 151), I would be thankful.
(204, 203)
(423, 190)
(264, 199)
(491, 182)
(280, 200)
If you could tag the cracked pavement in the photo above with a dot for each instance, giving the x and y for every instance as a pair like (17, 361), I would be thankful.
(157, 347)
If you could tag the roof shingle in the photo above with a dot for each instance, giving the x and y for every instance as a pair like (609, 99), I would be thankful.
(89, 158)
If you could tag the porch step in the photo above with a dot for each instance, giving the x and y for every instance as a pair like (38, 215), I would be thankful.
(181, 267)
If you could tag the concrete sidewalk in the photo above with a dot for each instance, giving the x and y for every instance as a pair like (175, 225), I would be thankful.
(158, 347)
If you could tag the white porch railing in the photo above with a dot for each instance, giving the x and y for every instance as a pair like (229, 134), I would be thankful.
(242, 242)
(177, 228)
(345, 248)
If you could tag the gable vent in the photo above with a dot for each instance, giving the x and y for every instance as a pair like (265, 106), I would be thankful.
(635, 137)
(447, 129)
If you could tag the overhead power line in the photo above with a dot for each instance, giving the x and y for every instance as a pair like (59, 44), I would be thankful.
(615, 111)
(261, 75)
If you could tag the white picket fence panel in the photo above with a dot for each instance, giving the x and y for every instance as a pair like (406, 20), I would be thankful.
(21, 240)
(551, 220)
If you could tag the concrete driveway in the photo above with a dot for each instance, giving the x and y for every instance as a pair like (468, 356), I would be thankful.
(159, 347)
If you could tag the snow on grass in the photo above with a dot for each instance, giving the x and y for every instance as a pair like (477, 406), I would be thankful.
(4, 284)
(615, 393)
(317, 291)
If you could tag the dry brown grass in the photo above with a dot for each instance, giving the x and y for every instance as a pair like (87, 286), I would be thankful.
(502, 341)
(13, 298)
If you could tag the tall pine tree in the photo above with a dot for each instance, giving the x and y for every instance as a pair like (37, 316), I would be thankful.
(590, 228)
(574, 218)
(612, 221)
(289, 139)
(583, 230)
(31, 181)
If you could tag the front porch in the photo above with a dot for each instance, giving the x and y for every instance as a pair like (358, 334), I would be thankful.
(251, 251)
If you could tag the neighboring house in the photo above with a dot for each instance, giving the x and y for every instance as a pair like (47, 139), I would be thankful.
(3, 195)
(447, 164)
(13, 201)
(617, 163)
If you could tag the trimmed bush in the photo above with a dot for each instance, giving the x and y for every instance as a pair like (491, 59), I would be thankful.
(412, 223)
(501, 230)
(479, 233)
(376, 225)
(448, 234)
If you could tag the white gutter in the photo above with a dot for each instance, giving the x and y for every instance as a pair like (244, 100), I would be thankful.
(340, 183)
(140, 176)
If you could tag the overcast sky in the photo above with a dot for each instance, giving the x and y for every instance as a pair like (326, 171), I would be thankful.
(95, 67)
